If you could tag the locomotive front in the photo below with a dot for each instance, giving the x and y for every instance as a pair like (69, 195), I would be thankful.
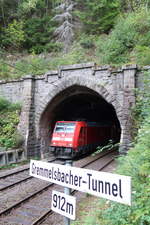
(75, 139)
(63, 139)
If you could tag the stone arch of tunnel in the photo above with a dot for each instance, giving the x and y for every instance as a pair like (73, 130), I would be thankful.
(75, 103)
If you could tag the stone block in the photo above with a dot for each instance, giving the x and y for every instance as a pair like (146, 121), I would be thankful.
(2, 158)
(10, 157)
(2, 149)
(20, 156)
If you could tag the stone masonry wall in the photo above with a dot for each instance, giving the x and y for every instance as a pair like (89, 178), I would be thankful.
(12, 90)
(36, 93)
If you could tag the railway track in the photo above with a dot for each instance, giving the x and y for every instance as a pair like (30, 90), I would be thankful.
(11, 179)
(33, 206)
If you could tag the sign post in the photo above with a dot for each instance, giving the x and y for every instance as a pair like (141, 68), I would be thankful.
(110, 186)
(67, 191)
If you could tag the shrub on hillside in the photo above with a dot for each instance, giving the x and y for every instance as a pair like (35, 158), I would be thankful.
(9, 119)
(39, 35)
(97, 16)
(137, 165)
(129, 38)
(13, 36)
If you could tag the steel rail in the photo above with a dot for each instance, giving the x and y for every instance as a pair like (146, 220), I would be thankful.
(13, 173)
(16, 205)
(19, 171)
(50, 212)
(21, 180)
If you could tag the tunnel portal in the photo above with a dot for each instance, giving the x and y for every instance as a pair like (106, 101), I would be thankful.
(76, 103)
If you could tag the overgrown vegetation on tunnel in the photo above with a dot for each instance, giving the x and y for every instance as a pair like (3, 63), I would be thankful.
(106, 32)
(137, 165)
(9, 119)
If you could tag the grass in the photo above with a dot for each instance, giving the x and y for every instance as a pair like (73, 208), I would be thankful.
(88, 211)
(14, 165)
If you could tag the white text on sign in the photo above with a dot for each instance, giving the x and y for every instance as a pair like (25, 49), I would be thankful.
(106, 185)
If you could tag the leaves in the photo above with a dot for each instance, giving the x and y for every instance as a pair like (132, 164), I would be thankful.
(9, 119)
(14, 35)
(128, 42)
(98, 16)
(137, 165)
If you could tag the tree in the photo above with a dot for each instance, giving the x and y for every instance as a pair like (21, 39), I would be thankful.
(13, 36)
(133, 5)
(64, 33)
(98, 16)
(8, 11)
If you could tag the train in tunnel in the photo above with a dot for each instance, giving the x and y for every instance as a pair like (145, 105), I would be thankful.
(74, 139)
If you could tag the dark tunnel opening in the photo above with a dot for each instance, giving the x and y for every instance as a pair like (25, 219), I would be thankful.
(77, 103)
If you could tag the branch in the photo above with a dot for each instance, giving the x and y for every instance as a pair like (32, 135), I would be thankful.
(62, 17)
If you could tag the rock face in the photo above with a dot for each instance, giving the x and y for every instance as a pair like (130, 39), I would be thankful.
(80, 90)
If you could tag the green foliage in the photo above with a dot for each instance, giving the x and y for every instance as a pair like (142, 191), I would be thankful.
(39, 33)
(110, 145)
(31, 65)
(137, 165)
(13, 36)
(128, 42)
(142, 55)
(142, 108)
(8, 10)
(5, 70)
(97, 16)
(28, 5)
(87, 41)
(4, 104)
(27, 26)
(76, 55)
(38, 8)
(9, 119)
(39, 64)
(134, 5)
(14, 165)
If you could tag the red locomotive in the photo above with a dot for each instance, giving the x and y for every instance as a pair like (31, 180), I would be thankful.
(71, 139)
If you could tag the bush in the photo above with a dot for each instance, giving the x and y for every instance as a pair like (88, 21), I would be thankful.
(76, 55)
(9, 119)
(4, 104)
(4, 70)
(39, 64)
(137, 165)
(87, 41)
(142, 109)
(39, 34)
(128, 42)
(13, 36)
(97, 16)
(142, 55)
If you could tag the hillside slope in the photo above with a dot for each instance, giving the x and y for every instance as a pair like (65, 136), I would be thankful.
(34, 34)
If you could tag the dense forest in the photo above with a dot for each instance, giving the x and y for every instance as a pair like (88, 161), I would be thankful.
(40, 35)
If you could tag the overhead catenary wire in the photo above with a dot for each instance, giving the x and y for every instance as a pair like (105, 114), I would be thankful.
(18, 68)
(25, 72)
(30, 63)
(13, 66)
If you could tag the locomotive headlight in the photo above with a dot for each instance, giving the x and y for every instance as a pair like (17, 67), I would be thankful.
(70, 145)
(52, 149)
(68, 150)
